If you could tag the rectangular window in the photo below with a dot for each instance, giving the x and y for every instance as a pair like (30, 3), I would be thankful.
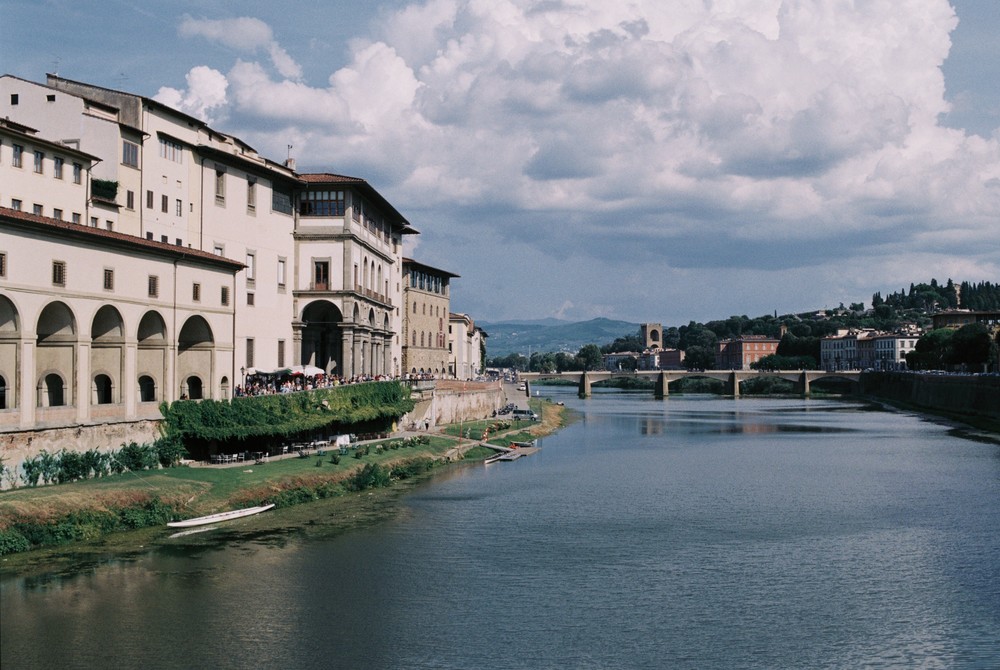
(250, 362)
(93, 222)
(130, 199)
(250, 299)
(3, 264)
(59, 273)
(149, 236)
(164, 239)
(164, 203)
(154, 286)
(322, 203)
(225, 295)
(130, 153)
(251, 193)
(280, 201)
(39, 161)
(281, 353)
(16, 158)
(196, 292)
(251, 267)
(15, 204)
(57, 214)
(218, 250)
(77, 173)
(281, 272)
(109, 224)
(76, 217)
(13, 98)
(178, 208)
(321, 275)
(172, 151)
(57, 167)
(149, 200)
(109, 279)
(36, 209)
(220, 184)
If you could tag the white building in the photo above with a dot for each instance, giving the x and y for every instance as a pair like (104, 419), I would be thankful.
(467, 347)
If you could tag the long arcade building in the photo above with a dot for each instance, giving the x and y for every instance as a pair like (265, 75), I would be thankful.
(145, 256)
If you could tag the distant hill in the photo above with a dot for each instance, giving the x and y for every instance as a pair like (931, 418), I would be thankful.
(551, 335)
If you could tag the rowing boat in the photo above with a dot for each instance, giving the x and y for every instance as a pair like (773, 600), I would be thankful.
(221, 516)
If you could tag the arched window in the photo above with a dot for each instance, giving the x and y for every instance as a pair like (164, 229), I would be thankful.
(421, 339)
(147, 389)
(52, 389)
(194, 388)
(103, 394)
(3, 393)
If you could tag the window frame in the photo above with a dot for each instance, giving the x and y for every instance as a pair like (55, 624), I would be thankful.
(59, 273)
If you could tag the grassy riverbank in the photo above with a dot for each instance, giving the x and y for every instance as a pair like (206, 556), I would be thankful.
(91, 512)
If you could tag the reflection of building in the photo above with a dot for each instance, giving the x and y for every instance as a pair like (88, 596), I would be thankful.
(739, 353)
(467, 345)
(311, 263)
(426, 299)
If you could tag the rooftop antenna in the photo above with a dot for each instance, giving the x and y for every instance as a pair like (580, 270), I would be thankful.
(289, 151)
(55, 66)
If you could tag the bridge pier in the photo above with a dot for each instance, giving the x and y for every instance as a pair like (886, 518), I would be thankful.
(527, 388)
(662, 389)
(804, 384)
(584, 385)
(734, 385)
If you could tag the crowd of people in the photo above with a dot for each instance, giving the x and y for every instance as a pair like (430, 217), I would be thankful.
(261, 384)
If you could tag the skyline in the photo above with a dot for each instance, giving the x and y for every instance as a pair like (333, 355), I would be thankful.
(739, 160)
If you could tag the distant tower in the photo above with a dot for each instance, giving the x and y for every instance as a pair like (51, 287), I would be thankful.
(651, 335)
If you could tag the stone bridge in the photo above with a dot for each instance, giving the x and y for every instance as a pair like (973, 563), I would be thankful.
(662, 378)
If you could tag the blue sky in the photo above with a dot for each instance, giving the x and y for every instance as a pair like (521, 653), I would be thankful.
(641, 160)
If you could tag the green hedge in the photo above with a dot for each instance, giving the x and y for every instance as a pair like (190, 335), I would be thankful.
(285, 415)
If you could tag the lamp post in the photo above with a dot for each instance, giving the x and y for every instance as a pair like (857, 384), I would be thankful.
(243, 381)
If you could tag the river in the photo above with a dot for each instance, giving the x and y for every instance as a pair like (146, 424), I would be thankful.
(696, 532)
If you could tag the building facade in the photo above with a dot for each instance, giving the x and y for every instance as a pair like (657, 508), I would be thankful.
(426, 300)
(466, 347)
(741, 352)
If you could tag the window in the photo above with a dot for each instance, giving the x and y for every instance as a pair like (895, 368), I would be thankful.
(225, 295)
(164, 239)
(251, 193)
(77, 173)
(249, 352)
(172, 151)
(149, 200)
(39, 161)
(13, 98)
(109, 224)
(164, 203)
(281, 201)
(130, 199)
(51, 97)
(93, 222)
(321, 275)
(154, 286)
(109, 279)
(218, 250)
(322, 203)
(196, 292)
(281, 272)
(59, 273)
(251, 267)
(149, 236)
(16, 157)
(57, 167)
(178, 208)
(36, 209)
(3, 263)
(57, 214)
(130, 153)
(76, 217)
(15, 204)
(220, 184)
(281, 353)
(250, 299)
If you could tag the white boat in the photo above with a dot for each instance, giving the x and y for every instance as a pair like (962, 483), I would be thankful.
(221, 516)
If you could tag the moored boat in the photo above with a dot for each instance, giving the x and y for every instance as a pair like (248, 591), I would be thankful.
(221, 516)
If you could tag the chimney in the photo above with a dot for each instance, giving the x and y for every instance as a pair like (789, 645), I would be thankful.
(290, 163)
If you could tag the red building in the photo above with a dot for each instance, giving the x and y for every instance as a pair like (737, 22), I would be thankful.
(739, 353)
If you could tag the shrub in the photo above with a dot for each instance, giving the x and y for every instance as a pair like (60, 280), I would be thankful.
(371, 476)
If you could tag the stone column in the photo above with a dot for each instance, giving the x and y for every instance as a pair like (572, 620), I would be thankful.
(584, 385)
(662, 389)
(347, 348)
(28, 396)
(734, 385)
(82, 393)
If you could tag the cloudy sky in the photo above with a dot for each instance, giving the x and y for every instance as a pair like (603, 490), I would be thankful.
(642, 160)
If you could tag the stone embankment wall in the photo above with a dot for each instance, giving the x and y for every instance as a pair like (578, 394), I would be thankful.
(966, 395)
(19, 446)
(454, 402)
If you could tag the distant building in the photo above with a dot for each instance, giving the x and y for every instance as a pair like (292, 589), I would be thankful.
(740, 352)
(466, 347)
(426, 299)
(867, 349)
(958, 318)
(651, 335)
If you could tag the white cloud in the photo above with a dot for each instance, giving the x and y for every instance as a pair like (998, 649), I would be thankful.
(802, 133)
(206, 93)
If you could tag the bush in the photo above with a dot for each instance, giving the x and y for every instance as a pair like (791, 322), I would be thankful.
(372, 476)
(12, 542)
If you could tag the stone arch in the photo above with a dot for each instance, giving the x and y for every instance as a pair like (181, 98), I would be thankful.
(224, 388)
(107, 355)
(55, 355)
(151, 360)
(371, 318)
(195, 348)
(322, 336)
(10, 352)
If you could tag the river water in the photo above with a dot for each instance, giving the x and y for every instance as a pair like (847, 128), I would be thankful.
(694, 532)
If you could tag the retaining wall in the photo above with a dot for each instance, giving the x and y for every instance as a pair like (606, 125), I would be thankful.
(967, 395)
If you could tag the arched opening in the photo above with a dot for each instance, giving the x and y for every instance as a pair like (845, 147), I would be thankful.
(195, 347)
(194, 388)
(52, 391)
(147, 389)
(10, 352)
(224, 388)
(3, 393)
(103, 390)
(322, 337)
(56, 354)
